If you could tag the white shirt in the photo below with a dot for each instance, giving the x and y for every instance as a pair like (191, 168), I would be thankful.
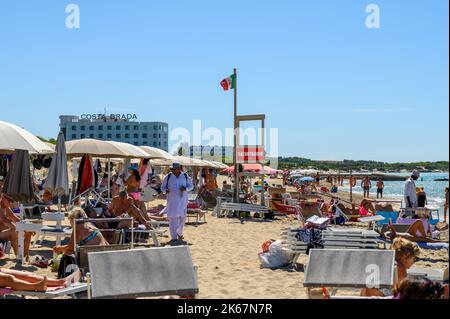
(176, 200)
(410, 191)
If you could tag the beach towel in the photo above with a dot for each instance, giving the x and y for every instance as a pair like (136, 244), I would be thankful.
(433, 246)
(392, 215)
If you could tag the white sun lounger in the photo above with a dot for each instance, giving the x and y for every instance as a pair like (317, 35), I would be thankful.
(350, 268)
(437, 275)
(70, 291)
(142, 273)
(352, 238)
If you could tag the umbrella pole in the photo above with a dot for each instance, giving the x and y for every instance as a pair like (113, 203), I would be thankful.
(59, 203)
(109, 179)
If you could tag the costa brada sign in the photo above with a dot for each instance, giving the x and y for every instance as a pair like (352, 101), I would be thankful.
(103, 117)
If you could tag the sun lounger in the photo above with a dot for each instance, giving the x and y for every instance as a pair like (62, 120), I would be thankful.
(50, 294)
(352, 238)
(228, 207)
(350, 268)
(387, 215)
(83, 261)
(431, 274)
(293, 245)
(220, 200)
(155, 272)
(371, 220)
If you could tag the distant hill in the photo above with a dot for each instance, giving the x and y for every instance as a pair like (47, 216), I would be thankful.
(346, 165)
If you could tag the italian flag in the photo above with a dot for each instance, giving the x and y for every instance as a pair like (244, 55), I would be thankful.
(229, 83)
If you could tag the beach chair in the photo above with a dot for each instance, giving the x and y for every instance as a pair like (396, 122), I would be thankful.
(83, 261)
(73, 291)
(371, 220)
(292, 245)
(436, 275)
(349, 269)
(227, 208)
(155, 272)
(347, 238)
(56, 231)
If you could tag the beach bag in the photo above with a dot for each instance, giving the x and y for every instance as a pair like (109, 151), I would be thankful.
(273, 255)
(67, 266)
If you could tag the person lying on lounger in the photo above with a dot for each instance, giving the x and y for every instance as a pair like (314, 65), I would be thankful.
(8, 226)
(406, 254)
(27, 281)
(85, 232)
(416, 233)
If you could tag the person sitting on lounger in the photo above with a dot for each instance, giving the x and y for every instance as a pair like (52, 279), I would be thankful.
(8, 226)
(406, 254)
(85, 232)
(26, 281)
(123, 205)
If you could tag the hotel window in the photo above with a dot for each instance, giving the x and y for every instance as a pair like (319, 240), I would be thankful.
(127, 135)
(118, 136)
(83, 128)
(136, 135)
(91, 135)
(127, 127)
(109, 127)
(135, 127)
(118, 127)
(144, 135)
(82, 136)
(74, 136)
(159, 144)
(154, 135)
(100, 127)
(144, 143)
(159, 135)
(91, 128)
(144, 128)
(155, 127)
(165, 128)
(100, 135)
(109, 136)
(160, 128)
(74, 128)
(154, 143)
(136, 143)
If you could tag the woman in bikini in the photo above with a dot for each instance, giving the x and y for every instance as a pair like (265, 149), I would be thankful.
(85, 232)
(416, 233)
(406, 254)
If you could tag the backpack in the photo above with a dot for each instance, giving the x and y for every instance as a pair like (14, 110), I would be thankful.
(170, 174)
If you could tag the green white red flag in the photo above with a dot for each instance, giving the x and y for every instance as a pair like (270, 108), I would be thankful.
(229, 83)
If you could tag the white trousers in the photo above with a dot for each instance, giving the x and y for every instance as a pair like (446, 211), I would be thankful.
(176, 225)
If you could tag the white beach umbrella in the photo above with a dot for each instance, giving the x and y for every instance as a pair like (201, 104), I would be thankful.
(13, 137)
(192, 162)
(96, 148)
(156, 153)
(132, 150)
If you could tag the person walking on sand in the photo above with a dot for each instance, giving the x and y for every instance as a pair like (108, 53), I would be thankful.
(410, 190)
(366, 185)
(380, 187)
(176, 184)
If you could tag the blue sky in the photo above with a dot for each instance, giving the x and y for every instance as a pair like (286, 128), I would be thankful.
(333, 88)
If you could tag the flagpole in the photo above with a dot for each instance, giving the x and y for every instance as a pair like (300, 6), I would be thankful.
(236, 180)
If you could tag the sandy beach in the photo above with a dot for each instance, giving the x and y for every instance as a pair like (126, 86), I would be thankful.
(226, 253)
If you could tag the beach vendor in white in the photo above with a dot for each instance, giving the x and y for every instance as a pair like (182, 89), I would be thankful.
(410, 190)
(176, 184)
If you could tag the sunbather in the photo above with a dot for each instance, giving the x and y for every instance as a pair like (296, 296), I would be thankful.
(86, 234)
(26, 281)
(124, 206)
(416, 233)
(8, 226)
(406, 254)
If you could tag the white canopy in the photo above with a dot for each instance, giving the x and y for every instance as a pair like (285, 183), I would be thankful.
(219, 165)
(156, 153)
(13, 137)
(97, 148)
(132, 150)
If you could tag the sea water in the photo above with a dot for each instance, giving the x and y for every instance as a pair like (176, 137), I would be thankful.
(435, 190)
